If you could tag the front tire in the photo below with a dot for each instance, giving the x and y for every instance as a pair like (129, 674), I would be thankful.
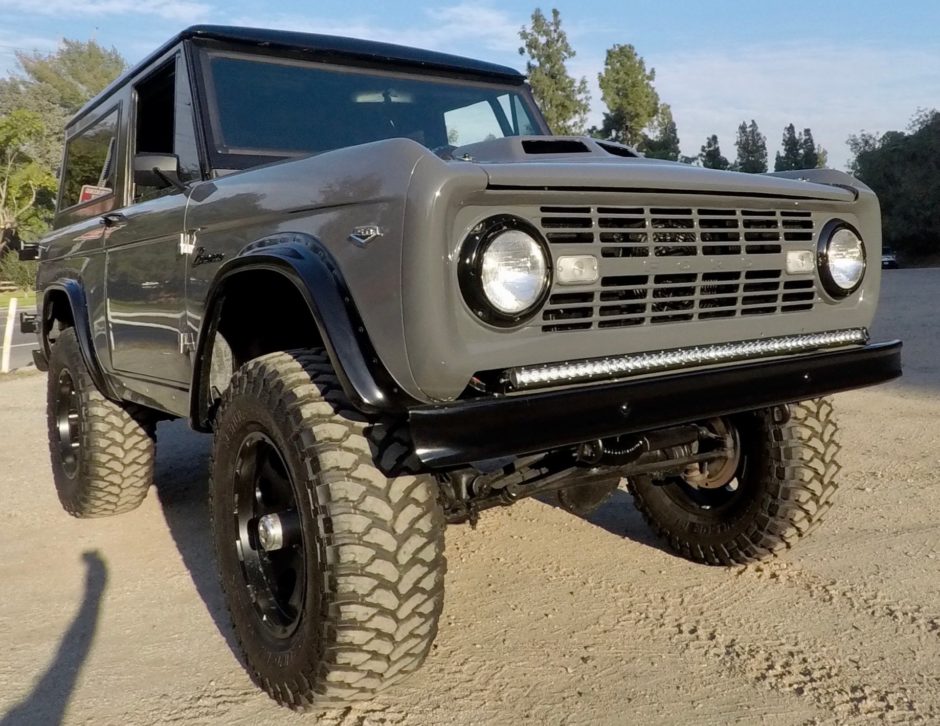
(783, 487)
(347, 598)
(102, 452)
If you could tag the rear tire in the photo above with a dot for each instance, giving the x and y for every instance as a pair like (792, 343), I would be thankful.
(783, 487)
(102, 452)
(349, 602)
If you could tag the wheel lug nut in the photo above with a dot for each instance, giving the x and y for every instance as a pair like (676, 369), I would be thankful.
(270, 532)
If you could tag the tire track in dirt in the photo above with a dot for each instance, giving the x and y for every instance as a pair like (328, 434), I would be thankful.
(832, 592)
(214, 701)
(789, 664)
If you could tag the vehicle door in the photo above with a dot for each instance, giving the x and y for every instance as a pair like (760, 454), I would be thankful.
(146, 253)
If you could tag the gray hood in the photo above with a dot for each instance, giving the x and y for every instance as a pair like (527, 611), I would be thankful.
(585, 163)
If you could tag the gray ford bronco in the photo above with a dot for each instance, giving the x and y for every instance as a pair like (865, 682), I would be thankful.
(396, 300)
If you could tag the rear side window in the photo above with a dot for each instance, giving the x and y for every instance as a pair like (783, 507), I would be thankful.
(90, 161)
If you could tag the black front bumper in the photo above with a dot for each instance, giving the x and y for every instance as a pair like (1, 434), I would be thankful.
(483, 429)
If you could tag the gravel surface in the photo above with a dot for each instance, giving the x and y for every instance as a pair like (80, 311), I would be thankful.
(549, 618)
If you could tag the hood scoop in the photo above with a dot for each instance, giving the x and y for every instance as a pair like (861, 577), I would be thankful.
(542, 148)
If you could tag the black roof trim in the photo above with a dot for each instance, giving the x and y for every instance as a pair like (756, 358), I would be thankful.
(321, 46)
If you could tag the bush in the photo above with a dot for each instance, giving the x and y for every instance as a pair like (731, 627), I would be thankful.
(20, 273)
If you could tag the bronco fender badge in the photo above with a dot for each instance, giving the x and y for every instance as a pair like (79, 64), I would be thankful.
(362, 236)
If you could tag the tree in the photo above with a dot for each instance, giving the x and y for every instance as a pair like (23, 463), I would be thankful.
(664, 144)
(752, 149)
(49, 89)
(564, 102)
(627, 90)
(792, 156)
(22, 179)
(809, 156)
(57, 85)
(860, 144)
(902, 169)
(710, 155)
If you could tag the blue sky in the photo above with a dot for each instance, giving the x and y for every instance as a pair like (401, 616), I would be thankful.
(837, 68)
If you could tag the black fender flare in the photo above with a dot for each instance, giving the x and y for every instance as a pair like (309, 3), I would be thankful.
(307, 265)
(75, 295)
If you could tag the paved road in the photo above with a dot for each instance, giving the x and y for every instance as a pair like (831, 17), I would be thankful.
(23, 345)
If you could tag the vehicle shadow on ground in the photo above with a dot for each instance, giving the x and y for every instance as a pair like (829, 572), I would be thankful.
(181, 479)
(618, 516)
(47, 702)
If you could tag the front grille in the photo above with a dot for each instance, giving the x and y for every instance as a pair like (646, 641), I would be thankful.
(672, 265)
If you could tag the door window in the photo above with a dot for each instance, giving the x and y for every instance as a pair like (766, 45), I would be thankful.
(90, 162)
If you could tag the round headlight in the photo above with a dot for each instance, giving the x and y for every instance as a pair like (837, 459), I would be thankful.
(513, 272)
(505, 270)
(841, 259)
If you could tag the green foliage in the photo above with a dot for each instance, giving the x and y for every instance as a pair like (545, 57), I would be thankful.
(564, 101)
(810, 152)
(19, 272)
(752, 149)
(664, 144)
(50, 88)
(903, 170)
(22, 179)
(627, 90)
(792, 156)
(711, 157)
(800, 151)
(57, 85)
(76, 72)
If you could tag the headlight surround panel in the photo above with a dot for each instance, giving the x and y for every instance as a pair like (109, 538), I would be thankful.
(470, 272)
(839, 283)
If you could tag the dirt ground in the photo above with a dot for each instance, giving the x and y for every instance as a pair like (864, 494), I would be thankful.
(550, 619)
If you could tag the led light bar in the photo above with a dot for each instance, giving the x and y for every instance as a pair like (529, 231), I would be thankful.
(554, 374)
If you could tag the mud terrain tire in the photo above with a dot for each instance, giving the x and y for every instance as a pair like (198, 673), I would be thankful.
(785, 486)
(102, 452)
(358, 607)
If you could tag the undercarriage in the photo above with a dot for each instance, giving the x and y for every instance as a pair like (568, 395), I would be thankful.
(703, 456)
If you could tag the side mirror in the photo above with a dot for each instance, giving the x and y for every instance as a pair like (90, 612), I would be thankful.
(157, 170)
(30, 252)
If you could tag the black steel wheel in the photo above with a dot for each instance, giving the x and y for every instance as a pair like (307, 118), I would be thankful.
(330, 553)
(274, 568)
(755, 504)
(68, 411)
(102, 452)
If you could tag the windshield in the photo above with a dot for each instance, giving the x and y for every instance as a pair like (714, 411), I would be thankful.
(276, 107)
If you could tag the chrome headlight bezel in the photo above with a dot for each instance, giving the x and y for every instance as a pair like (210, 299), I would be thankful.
(470, 270)
(824, 264)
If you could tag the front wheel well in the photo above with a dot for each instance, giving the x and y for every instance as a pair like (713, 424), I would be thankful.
(255, 312)
(56, 309)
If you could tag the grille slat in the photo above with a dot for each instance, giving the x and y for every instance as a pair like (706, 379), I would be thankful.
(629, 240)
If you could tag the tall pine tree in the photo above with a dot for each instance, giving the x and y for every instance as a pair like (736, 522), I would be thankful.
(564, 101)
(627, 90)
(711, 156)
(809, 156)
(752, 149)
(792, 156)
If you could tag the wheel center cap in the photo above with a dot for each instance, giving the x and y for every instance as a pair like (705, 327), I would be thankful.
(270, 532)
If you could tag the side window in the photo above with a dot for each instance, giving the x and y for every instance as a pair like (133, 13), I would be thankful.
(473, 123)
(90, 161)
(164, 125)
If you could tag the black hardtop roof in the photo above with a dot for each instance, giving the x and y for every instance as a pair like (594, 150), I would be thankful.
(322, 47)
